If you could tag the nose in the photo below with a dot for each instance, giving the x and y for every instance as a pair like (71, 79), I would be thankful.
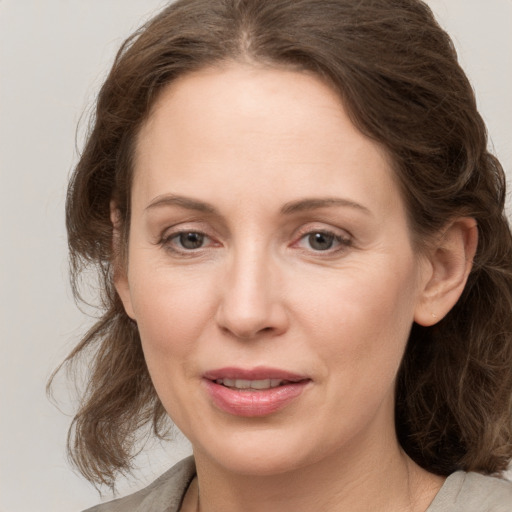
(251, 303)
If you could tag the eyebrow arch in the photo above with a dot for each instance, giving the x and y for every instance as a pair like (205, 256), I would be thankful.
(317, 203)
(288, 209)
(182, 202)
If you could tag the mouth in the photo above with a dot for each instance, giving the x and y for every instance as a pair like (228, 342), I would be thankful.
(251, 385)
(255, 392)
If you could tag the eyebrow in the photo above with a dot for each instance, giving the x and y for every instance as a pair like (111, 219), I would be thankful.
(317, 203)
(182, 202)
(288, 209)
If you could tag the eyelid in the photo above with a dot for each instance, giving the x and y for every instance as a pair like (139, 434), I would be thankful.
(190, 226)
(319, 227)
(342, 236)
(167, 235)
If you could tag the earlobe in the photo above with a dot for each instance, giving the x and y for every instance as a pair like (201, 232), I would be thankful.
(121, 283)
(450, 262)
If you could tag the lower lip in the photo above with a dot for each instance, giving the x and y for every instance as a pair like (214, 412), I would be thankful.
(252, 403)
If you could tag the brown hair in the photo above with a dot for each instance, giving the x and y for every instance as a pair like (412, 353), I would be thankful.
(397, 73)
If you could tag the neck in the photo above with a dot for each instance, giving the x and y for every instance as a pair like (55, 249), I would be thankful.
(384, 479)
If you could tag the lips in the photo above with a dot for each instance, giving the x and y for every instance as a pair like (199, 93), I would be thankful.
(251, 384)
(255, 392)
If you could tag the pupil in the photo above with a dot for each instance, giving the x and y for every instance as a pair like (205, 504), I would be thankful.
(321, 241)
(191, 240)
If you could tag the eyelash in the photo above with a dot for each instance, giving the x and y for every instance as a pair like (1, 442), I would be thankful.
(167, 242)
(341, 242)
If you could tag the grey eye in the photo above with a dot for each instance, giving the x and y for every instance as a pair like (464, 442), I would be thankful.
(320, 241)
(191, 240)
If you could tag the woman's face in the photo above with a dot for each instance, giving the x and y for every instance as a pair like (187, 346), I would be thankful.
(270, 270)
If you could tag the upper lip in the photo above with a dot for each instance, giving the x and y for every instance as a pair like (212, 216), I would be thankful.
(256, 373)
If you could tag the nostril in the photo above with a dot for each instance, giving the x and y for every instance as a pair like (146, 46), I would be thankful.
(246, 333)
(251, 315)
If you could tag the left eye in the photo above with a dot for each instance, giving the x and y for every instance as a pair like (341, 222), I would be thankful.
(189, 240)
(322, 241)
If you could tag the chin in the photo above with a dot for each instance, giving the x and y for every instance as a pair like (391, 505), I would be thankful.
(258, 464)
(262, 453)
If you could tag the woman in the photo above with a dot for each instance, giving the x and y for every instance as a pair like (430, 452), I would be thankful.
(305, 263)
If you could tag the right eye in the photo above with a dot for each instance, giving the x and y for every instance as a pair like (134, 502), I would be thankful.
(189, 240)
(186, 241)
(321, 241)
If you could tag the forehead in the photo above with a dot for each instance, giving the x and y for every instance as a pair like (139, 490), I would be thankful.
(260, 129)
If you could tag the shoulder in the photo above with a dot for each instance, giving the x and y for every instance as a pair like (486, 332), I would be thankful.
(473, 492)
(163, 495)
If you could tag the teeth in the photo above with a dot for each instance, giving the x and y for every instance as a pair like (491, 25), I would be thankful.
(250, 384)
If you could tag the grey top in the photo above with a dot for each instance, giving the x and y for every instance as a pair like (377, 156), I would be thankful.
(472, 492)
(165, 494)
(462, 492)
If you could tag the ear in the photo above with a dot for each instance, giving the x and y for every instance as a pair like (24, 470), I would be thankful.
(450, 262)
(119, 263)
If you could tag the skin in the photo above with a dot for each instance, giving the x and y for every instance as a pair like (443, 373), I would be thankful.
(254, 143)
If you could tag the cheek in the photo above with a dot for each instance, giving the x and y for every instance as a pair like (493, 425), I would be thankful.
(171, 309)
(171, 313)
(364, 319)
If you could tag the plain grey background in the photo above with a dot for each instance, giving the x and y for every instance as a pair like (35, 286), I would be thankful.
(53, 56)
